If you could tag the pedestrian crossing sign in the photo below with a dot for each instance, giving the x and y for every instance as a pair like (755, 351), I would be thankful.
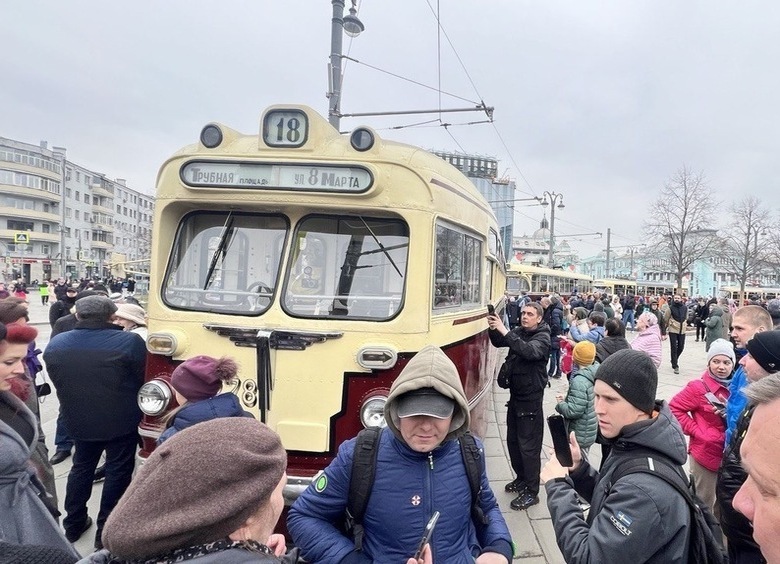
(21, 237)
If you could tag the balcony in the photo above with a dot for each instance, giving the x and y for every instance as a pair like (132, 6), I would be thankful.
(101, 244)
(102, 208)
(6, 211)
(101, 225)
(100, 190)
(38, 193)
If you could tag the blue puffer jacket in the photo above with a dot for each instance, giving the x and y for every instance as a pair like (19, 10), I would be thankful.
(223, 405)
(408, 489)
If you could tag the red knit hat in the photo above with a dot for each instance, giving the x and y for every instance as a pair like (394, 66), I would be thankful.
(201, 376)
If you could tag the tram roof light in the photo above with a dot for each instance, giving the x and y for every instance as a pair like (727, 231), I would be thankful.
(211, 136)
(352, 24)
(362, 139)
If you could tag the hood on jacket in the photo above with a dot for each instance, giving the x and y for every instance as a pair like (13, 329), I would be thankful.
(716, 311)
(430, 368)
(661, 433)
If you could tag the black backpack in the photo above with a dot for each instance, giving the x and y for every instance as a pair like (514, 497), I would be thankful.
(364, 470)
(705, 544)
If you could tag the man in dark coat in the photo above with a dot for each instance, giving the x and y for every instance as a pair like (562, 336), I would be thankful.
(97, 369)
(62, 306)
(553, 317)
(676, 326)
(526, 366)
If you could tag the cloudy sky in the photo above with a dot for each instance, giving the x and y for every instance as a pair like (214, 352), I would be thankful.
(601, 101)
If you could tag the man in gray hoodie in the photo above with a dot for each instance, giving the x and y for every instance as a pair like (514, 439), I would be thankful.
(639, 518)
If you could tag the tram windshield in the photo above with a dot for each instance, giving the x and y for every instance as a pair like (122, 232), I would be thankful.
(347, 267)
(225, 262)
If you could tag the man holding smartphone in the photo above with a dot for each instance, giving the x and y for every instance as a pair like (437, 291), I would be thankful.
(419, 470)
(526, 370)
(639, 518)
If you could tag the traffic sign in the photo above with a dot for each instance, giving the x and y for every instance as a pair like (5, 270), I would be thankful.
(21, 237)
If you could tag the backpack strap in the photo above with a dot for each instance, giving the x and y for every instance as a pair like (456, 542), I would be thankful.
(361, 482)
(671, 474)
(472, 457)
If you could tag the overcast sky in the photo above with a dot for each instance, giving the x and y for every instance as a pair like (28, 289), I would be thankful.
(601, 101)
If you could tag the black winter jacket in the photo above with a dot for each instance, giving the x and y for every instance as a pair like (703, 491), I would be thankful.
(610, 344)
(529, 351)
(97, 370)
(553, 316)
(731, 476)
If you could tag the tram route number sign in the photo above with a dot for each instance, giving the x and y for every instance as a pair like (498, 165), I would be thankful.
(259, 176)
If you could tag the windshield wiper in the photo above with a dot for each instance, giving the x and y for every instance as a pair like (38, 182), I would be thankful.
(227, 234)
(381, 247)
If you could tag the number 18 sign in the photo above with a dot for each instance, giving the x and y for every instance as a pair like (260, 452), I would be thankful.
(285, 128)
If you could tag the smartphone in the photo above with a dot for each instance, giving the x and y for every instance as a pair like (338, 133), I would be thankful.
(714, 400)
(426, 535)
(491, 309)
(560, 439)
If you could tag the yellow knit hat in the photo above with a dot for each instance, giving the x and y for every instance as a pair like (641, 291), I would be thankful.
(584, 353)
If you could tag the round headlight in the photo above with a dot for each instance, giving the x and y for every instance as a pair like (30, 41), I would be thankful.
(372, 413)
(154, 397)
(362, 139)
(211, 136)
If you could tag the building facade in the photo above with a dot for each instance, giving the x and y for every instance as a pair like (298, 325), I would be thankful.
(499, 192)
(58, 218)
(534, 249)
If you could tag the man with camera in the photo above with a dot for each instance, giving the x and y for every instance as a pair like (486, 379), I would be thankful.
(524, 373)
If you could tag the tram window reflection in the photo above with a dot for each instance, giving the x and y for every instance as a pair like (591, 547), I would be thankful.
(347, 267)
(224, 262)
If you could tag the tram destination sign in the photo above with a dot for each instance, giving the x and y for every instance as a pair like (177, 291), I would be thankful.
(276, 176)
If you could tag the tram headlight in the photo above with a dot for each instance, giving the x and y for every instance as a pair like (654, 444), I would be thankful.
(372, 412)
(154, 397)
(211, 136)
(362, 139)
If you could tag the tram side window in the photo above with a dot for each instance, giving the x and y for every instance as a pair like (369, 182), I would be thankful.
(347, 268)
(458, 260)
(225, 262)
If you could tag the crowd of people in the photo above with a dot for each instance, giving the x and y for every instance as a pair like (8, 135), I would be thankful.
(212, 490)
(635, 516)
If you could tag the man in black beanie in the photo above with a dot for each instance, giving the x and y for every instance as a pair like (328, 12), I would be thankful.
(640, 517)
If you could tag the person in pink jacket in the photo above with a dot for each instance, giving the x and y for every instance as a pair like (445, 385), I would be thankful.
(649, 338)
(702, 417)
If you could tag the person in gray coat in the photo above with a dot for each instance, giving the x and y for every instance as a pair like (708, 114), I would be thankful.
(25, 518)
(640, 518)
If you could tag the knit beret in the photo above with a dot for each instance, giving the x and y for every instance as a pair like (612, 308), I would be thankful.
(201, 377)
(721, 347)
(97, 308)
(764, 347)
(199, 486)
(584, 353)
(633, 375)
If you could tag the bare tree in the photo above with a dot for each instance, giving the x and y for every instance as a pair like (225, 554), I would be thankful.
(741, 252)
(680, 224)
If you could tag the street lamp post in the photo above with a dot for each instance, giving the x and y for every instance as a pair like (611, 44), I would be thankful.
(555, 199)
(352, 26)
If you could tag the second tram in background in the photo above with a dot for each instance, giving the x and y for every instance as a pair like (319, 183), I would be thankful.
(322, 263)
(615, 286)
(537, 281)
